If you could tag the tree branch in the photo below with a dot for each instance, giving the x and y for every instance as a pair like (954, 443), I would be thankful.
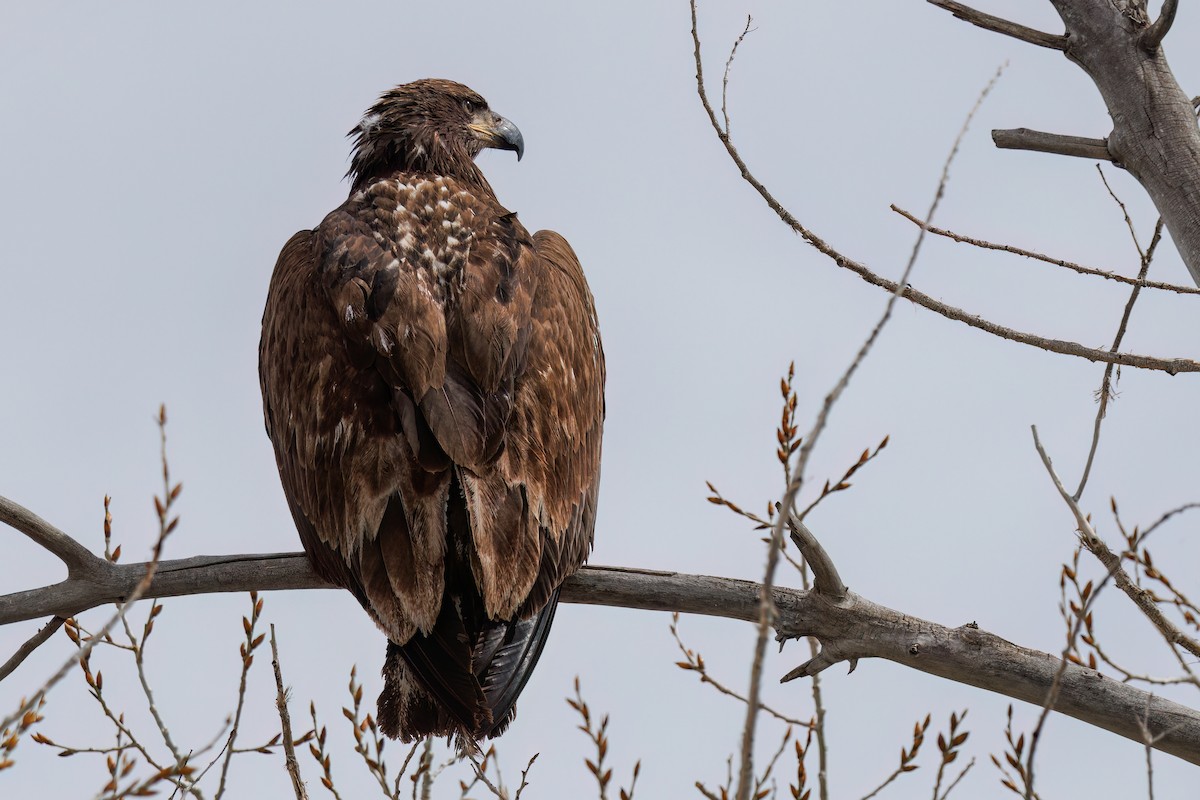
(1152, 37)
(999, 25)
(1057, 143)
(80, 561)
(1058, 262)
(854, 627)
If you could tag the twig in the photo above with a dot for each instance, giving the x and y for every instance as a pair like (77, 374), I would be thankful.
(695, 663)
(999, 25)
(289, 749)
(1141, 539)
(137, 647)
(31, 644)
(246, 651)
(529, 766)
(729, 65)
(1056, 143)
(985, 245)
(1105, 393)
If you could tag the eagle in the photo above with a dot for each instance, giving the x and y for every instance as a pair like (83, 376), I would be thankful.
(433, 388)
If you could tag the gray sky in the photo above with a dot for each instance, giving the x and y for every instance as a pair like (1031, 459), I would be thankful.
(156, 157)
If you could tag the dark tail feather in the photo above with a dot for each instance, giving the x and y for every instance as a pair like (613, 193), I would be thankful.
(438, 685)
(508, 669)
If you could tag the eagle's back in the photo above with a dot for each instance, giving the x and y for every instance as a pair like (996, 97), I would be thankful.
(433, 386)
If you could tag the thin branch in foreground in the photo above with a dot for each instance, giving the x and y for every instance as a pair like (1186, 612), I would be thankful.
(999, 25)
(285, 719)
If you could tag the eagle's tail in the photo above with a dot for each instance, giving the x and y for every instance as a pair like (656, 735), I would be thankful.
(464, 677)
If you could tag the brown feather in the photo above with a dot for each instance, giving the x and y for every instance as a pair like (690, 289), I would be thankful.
(433, 385)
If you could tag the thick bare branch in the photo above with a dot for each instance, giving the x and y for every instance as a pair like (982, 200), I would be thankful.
(1057, 143)
(999, 25)
(860, 628)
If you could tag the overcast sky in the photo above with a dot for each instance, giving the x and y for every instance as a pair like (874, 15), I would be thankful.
(155, 157)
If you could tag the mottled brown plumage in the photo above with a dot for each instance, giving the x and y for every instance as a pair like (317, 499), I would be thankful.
(433, 383)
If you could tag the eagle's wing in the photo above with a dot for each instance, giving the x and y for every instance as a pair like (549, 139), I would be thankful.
(436, 438)
(551, 457)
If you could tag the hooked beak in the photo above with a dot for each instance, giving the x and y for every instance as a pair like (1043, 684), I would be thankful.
(500, 134)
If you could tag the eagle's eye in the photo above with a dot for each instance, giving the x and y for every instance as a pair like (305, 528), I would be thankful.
(471, 106)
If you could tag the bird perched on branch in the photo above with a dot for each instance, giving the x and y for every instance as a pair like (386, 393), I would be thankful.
(433, 386)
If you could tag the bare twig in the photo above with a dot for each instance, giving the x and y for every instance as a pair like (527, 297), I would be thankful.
(1056, 143)
(1105, 393)
(999, 25)
(1141, 539)
(289, 750)
(246, 651)
(1112, 276)
(695, 663)
(728, 66)
(31, 644)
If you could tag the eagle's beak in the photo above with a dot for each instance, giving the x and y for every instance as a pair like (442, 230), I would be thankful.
(501, 134)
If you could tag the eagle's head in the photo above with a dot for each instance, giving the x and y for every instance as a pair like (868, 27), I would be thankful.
(430, 125)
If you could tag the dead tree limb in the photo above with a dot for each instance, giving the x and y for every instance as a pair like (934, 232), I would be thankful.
(849, 628)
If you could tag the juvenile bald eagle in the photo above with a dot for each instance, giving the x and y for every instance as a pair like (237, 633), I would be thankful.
(433, 386)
